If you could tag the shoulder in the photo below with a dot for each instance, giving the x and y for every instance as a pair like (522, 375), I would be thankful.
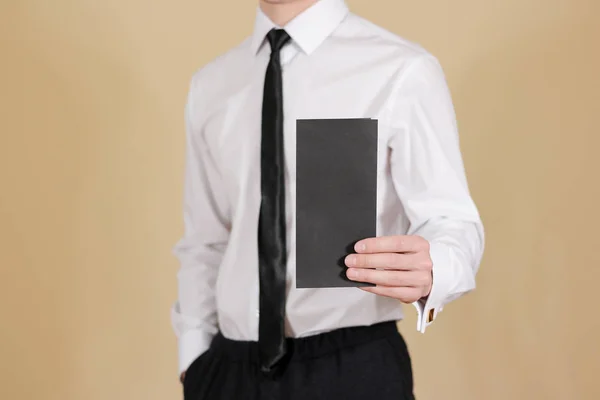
(220, 70)
(384, 42)
(211, 84)
(413, 63)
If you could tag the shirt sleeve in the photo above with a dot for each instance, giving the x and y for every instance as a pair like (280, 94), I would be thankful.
(429, 177)
(201, 248)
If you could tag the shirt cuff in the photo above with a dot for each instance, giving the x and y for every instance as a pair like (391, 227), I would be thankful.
(192, 344)
(428, 308)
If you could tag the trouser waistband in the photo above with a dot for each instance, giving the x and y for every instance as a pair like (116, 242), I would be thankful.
(306, 347)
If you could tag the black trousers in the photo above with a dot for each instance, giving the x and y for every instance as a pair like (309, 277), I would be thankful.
(351, 363)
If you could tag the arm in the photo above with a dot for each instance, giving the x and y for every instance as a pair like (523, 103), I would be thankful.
(436, 262)
(429, 177)
(200, 250)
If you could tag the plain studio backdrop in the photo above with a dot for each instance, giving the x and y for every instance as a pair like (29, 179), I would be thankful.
(91, 171)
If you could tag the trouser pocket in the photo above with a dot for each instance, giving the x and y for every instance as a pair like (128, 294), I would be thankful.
(403, 361)
(194, 376)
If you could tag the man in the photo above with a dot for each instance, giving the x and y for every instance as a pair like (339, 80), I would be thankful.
(245, 331)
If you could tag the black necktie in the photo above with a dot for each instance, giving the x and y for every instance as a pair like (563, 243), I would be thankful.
(271, 227)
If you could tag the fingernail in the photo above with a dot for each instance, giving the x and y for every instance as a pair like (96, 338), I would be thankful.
(360, 246)
(352, 273)
(350, 260)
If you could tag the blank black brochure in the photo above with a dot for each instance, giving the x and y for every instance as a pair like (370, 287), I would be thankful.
(336, 197)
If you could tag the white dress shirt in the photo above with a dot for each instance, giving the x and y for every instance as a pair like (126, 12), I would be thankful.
(337, 65)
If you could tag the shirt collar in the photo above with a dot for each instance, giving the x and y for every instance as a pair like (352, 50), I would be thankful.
(309, 29)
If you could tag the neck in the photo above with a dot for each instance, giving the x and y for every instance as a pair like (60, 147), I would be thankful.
(283, 11)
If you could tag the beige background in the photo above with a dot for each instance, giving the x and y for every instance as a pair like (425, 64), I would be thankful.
(91, 161)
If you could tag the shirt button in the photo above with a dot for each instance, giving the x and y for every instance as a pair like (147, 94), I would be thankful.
(257, 313)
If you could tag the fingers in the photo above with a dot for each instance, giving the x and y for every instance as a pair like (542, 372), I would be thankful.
(399, 266)
(389, 261)
(404, 294)
(392, 244)
(416, 279)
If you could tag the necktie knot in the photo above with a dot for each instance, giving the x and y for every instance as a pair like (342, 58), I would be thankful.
(277, 39)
